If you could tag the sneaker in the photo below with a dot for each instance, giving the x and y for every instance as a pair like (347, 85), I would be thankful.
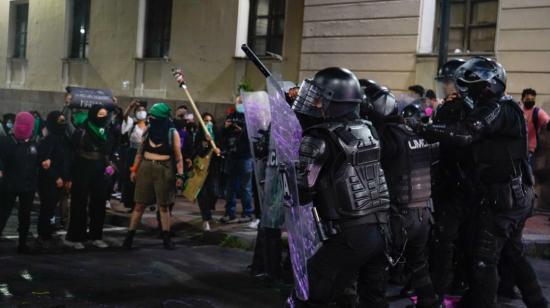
(205, 226)
(228, 220)
(100, 244)
(254, 224)
(245, 219)
(75, 245)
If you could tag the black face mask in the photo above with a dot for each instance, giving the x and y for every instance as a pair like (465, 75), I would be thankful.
(529, 104)
(180, 123)
(101, 122)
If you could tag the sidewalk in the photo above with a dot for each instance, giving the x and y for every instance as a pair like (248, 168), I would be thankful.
(186, 217)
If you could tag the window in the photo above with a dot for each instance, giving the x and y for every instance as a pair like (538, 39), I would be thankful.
(80, 29)
(267, 26)
(473, 25)
(158, 28)
(21, 21)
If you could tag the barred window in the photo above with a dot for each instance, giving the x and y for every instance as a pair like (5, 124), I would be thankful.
(472, 26)
(80, 29)
(267, 26)
(158, 28)
(21, 21)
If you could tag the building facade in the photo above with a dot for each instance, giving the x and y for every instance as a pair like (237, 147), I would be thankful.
(130, 46)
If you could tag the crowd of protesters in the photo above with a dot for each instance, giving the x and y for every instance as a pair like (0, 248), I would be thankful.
(77, 160)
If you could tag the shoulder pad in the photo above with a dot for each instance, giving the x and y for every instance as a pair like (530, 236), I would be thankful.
(312, 147)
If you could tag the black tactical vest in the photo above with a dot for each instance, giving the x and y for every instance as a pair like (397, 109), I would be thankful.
(408, 174)
(352, 183)
(499, 155)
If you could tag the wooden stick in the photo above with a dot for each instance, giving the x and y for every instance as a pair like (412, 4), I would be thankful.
(181, 81)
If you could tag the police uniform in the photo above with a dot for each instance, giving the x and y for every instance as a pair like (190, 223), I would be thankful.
(496, 131)
(340, 172)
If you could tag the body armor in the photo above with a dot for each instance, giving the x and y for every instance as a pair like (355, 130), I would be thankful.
(340, 162)
(408, 174)
(500, 155)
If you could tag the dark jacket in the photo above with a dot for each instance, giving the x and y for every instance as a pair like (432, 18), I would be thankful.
(58, 150)
(19, 164)
(235, 140)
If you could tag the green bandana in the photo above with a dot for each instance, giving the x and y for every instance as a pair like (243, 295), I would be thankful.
(80, 117)
(36, 127)
(160, 110)
(98, 131)
(210, 129)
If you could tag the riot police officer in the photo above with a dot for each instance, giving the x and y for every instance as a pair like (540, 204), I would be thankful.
(340, 171)
(496, 131)
(452, 190)
(406, 160)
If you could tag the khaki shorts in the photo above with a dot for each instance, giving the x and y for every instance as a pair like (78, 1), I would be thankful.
(155, 183)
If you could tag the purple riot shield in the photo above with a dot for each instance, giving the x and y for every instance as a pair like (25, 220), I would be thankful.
(257, 115)
(300, 224)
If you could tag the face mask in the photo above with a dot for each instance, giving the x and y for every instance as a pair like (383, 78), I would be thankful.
(240, 108)
(102, 122)
(529, 104)
(141, 115)
(9, 125)
(209, 125)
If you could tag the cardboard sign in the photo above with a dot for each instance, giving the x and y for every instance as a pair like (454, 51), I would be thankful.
(85, 98)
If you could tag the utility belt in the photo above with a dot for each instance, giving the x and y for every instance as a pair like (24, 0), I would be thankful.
(332, 228)
(504, 196)
(91, 155)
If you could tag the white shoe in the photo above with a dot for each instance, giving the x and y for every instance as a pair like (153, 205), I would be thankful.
(254, 224)
(75, 245)
(206, 226)
(100, 244)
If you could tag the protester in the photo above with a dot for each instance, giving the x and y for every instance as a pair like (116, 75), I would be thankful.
(536, 118)
(431, 103)
(209, 192)
(238, 166)
(7, 122)
(18, 169)
(92, 144)
(54, 154)
(418, 90)
(153, 172)
(133, 128)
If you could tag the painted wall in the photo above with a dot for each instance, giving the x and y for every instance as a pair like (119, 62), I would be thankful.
(202, 43)
(523, 46)
(375, 39)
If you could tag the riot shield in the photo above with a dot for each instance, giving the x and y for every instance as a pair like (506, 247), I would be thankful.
(287, 135)
(258, 118)
(258, 124)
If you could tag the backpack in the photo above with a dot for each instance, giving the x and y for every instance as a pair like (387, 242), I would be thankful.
(535, 118)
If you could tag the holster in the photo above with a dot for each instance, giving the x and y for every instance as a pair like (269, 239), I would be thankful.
(503, 196)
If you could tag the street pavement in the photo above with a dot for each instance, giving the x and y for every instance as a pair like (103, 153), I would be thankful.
(201, 272)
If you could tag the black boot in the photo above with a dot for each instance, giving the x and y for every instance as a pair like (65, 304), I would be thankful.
(166, 241)
(129, 239)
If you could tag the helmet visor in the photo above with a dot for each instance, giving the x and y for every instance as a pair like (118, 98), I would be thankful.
(309, 100)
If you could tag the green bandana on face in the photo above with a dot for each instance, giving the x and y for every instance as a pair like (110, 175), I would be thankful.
(210, 129)
(98, 131)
